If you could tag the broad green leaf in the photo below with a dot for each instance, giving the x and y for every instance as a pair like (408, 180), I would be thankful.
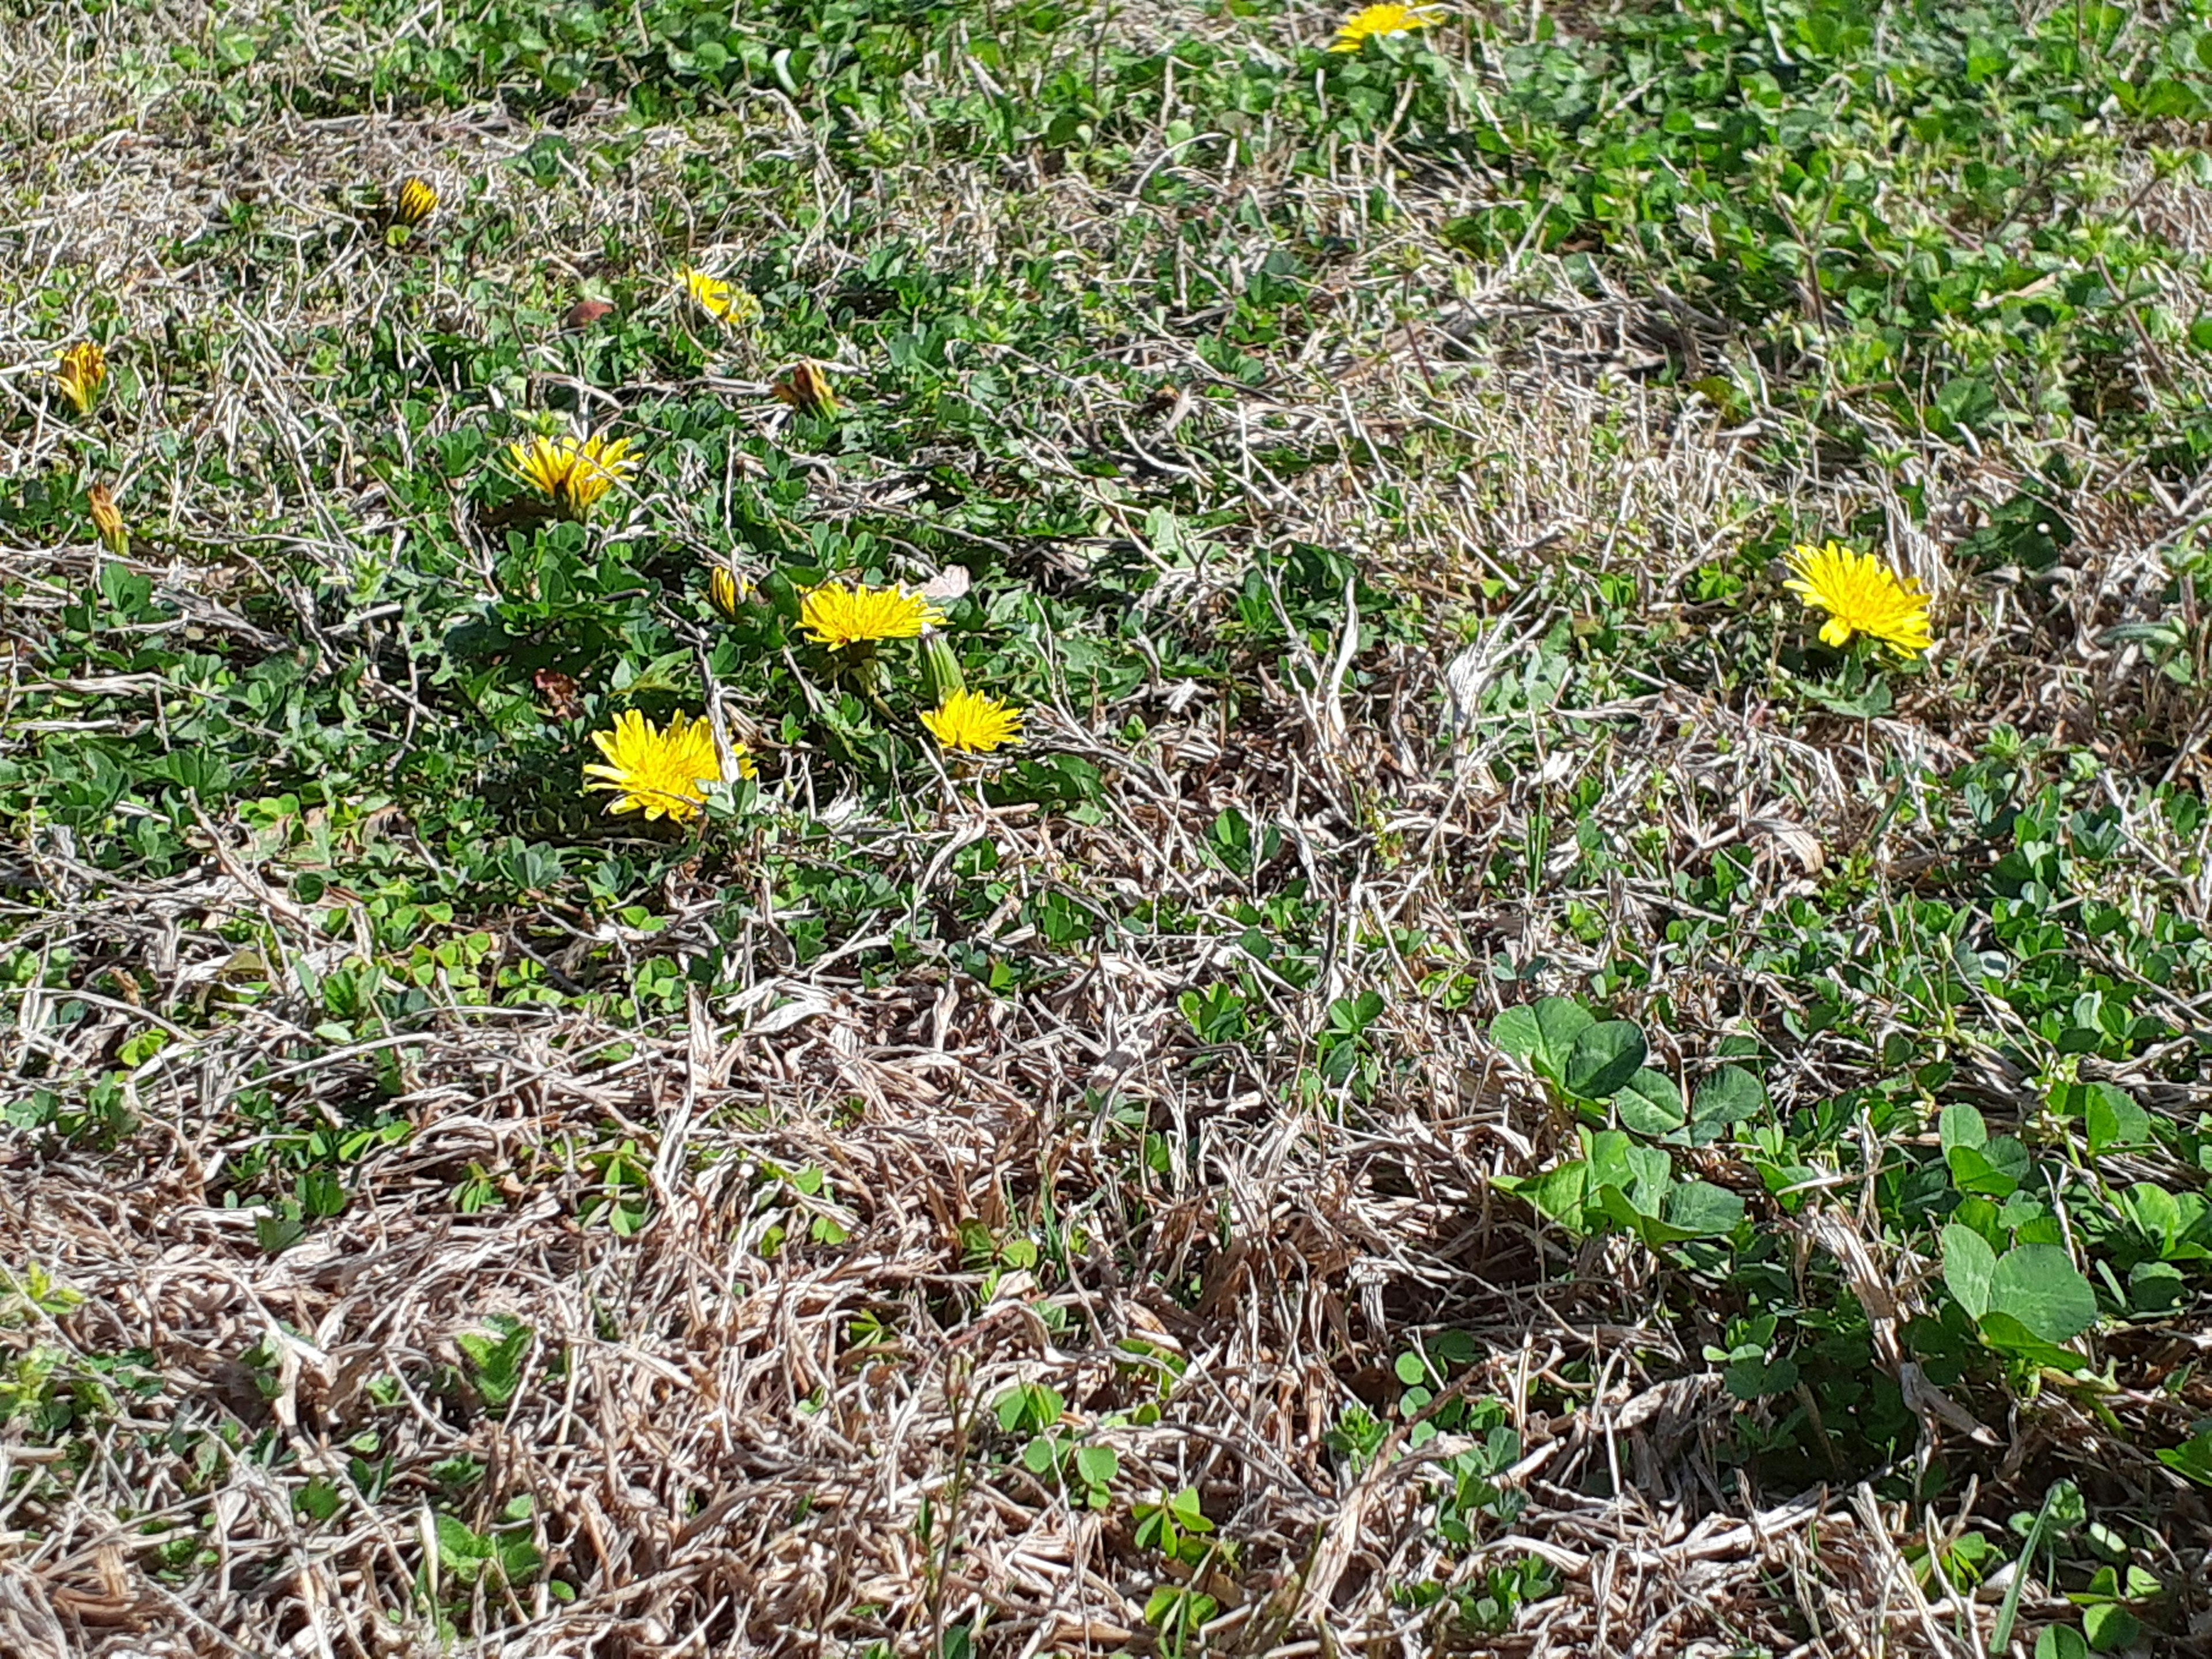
(1962, 1125)
(2040, 1285)
(1609, 1159)
(1559, 1021)
(1642, 1173)
(1995, 1170)
(2003, 1332)
(2157, 1215)
(1603, 1059)
(1654, 1173)
(1651, 1105)
(2156, 1287)
(2115, 1120)
(1703, 1209)
(1969, 1265)
(1515, 1030)
(1560, 1194)
(2109, 1628)
(1453, 1348)
(1755, 1379)
(458, 1543)
(1621, 1210)
(1728, 1096)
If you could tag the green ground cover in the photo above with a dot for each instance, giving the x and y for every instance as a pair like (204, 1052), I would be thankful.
(1465, 1047)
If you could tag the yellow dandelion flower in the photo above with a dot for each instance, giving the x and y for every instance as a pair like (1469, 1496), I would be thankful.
(599, 466)
(573, 473)
(970, 722)
(710, 293)
(418, 200)
(108, 519)
(839, 617)
(82, 373)
(726, 302)
(1861, 595)
(659, 774)
(1379, 22)
(725, 593)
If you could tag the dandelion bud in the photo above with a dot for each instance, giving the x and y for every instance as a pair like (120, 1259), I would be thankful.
(725, 593)
(941, 676)
(84, 370)
(418, 200)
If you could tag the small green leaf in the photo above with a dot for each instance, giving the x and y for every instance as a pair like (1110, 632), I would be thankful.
(1969, 1264)
(2193, 1459)
(2114, 1121)
(1560, 1193)
(1454, 1348)
(1559, 1022)
(1649, 1104)
(2109, 1626)
(2008, 1336)
(1515, 1031)
(1994, 1172)
(2061, 1642)
(1703, 1209)
(2040, 1285)
(1962, 1125)
(1412, 1370)
(1726, 1098)
(2156, 1287)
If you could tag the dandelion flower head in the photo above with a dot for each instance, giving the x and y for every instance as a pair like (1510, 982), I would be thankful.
(1378, 22)
(573, 473)
(970, 722)
(83, 370)
(839, 617)
(726, 302)
(661, 773)
(418, 200)
(1861, 595)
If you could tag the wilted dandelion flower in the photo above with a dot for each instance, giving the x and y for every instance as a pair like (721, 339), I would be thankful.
(805, 386)
(108, 519)
(839, 617)
(659, 774)
(1375, 23)
(726, 302)
(970, 722)
(573, 473)
(1861, 595)
(82, 371)
(418, 200)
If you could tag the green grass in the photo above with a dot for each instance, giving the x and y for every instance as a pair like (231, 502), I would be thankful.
(1456, 958)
